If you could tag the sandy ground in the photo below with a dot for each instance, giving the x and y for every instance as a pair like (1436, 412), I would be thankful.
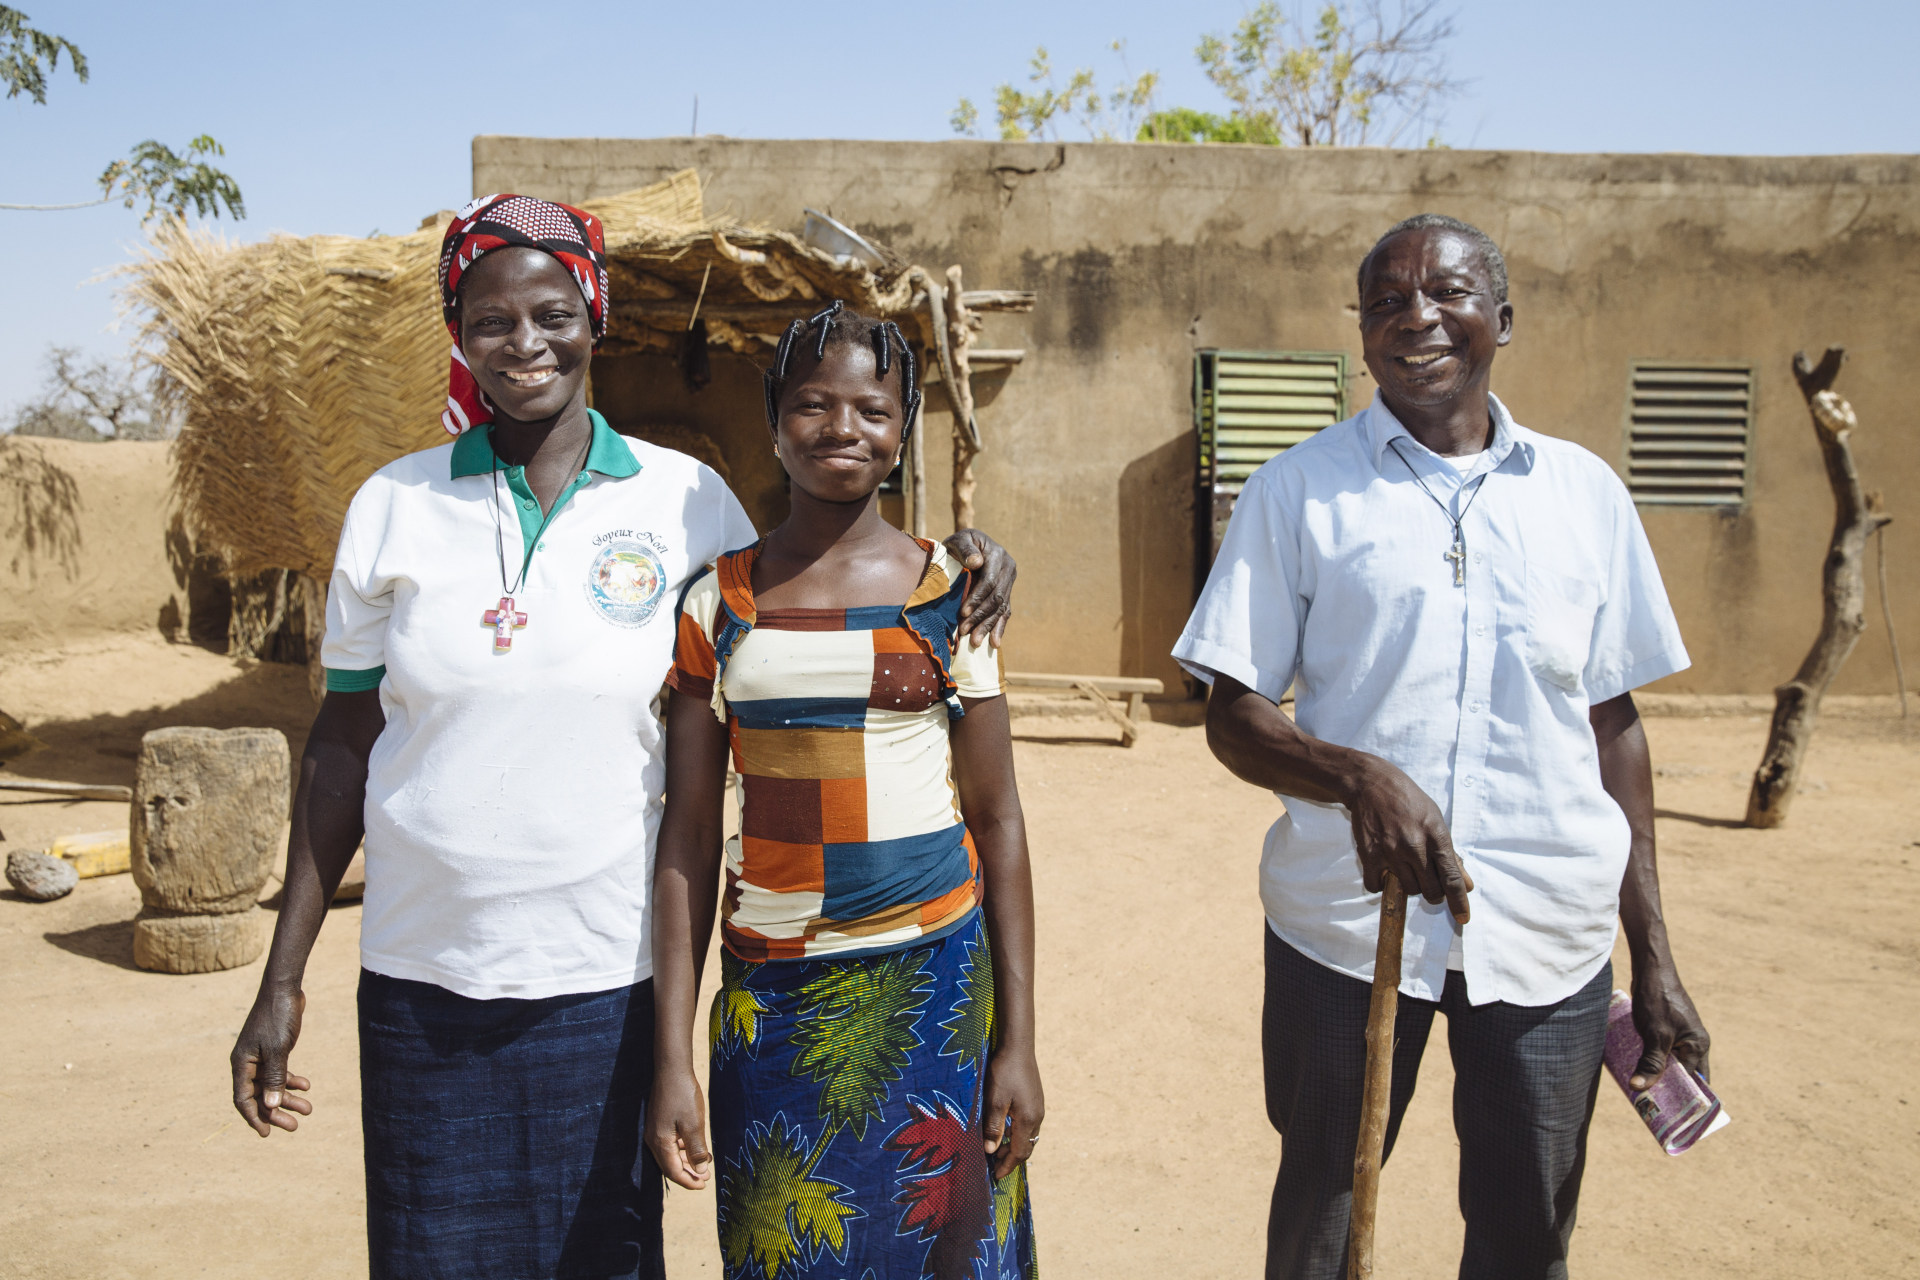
(120, 1155)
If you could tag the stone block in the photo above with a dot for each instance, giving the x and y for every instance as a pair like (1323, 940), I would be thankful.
(208, 809)
(95, 853)
(200, 943)
(35, 875)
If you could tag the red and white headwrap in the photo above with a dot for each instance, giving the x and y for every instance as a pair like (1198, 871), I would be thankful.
(571, 235)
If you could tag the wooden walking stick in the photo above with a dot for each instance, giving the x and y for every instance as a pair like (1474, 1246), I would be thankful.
(1376, 1099)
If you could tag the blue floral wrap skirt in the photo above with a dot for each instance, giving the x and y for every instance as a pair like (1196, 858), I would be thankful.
(846, 1099)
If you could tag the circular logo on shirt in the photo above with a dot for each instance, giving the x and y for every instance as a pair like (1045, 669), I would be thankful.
(626, 582)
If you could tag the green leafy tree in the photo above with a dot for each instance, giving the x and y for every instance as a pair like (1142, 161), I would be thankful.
(22, 50)
(1038, 111)
(1360, 74)
(152, 173)
(155, 174)
(1184, 124)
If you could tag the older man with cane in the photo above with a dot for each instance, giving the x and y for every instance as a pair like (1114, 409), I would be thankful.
(1462, 607)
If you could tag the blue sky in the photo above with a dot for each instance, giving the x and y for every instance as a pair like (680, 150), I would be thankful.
(350, 117)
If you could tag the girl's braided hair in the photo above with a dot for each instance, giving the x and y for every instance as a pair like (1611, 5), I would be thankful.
(837, 326)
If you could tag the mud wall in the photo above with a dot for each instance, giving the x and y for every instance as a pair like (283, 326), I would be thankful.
(1143, 254)
(84, 542)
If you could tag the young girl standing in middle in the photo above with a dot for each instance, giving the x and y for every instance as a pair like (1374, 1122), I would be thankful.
(875, 1089)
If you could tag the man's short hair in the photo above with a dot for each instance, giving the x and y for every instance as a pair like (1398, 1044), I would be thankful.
(1489, 251)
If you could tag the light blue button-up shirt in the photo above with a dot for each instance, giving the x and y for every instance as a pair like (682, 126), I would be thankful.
(1334, 577)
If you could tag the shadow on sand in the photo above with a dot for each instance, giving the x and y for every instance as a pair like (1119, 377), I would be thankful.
(1699, 820)
(111, 943)
(102, 749)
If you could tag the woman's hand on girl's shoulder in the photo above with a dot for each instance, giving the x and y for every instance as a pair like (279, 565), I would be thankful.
(677, 1129)
(1016, 1108)
(989, 603)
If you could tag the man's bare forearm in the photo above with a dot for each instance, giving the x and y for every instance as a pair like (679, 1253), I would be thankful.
(1397, 828)
(1259, 743)
(1626, 771)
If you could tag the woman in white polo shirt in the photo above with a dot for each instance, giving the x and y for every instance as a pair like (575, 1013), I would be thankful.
(499, 622)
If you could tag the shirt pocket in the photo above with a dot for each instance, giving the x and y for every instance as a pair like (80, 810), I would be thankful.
(1560, 613)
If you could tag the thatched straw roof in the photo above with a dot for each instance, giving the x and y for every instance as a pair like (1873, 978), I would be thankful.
(300, 365)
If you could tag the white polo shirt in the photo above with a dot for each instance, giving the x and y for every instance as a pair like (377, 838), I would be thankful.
(1333, 577)
(514, 797)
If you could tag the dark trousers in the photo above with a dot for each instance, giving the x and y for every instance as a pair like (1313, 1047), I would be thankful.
(1524, 1083)
(503, 1137)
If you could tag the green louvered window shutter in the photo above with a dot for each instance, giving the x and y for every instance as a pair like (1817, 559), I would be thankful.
(1249, 406)
(1689, 427)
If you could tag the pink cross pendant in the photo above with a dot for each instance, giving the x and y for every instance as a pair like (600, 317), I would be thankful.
(503, 620)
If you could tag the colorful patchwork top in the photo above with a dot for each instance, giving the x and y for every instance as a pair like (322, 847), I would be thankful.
(851, 837)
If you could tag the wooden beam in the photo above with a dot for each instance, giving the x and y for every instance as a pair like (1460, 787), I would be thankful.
(67, 790)
(774, 316)
(998, 299)
(1129, 731)
(1106, 684)
(769, 317)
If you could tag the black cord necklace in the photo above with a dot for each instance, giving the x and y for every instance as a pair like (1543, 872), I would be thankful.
(1458, 551)
(505, 619)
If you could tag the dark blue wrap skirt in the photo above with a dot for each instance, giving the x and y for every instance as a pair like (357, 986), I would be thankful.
(503, 1136)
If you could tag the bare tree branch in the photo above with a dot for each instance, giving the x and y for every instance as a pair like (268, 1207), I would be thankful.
(1364, 73)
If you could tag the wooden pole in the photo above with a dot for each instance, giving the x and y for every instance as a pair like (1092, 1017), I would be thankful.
(1886, 612)
(917, 478)
(1857, 516)
(966, 429)
(1377, 1096)
(67, 790)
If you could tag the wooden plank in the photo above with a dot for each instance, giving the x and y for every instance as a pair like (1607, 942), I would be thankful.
(1106, 684)
(997, 300)
(67, 790)
(1129, 731)
(754, 317)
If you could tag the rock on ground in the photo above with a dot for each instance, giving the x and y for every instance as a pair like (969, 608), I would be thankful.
(34, 875)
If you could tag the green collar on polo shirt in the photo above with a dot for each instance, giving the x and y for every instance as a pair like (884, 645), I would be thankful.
(608, 454)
